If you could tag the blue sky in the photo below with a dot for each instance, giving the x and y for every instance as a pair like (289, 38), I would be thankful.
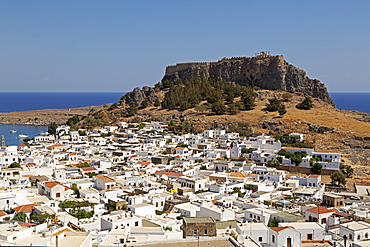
(113, 46)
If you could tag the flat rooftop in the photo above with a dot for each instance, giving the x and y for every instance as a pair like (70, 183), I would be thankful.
(198, 219)
(289, 216)
(303, 225)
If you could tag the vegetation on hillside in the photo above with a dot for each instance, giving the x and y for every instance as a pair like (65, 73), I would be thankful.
(219, 94)
(306, 104)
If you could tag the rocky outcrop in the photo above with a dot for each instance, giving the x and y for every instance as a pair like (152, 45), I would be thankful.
(139, 95)
(263, 70)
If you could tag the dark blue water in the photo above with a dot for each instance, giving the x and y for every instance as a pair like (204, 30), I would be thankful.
(352, 101)
(10, 102)
(12, 138)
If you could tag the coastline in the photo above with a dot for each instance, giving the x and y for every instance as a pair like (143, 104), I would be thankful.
(46, 116)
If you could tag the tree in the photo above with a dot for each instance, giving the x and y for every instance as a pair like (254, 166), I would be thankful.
(113, 106)
(219, 108)
(287, 96)
(338, 178)
(233, 109)
(237, 190)
(273, 104)
(52, 128)
(247, 150)
(282, 111)
(76, 190)
(346, 170)
(157, 103)
(273, 163)
(73, 120)
(316, 168)
(15, 165)
(296, 159)
(132, 110)
(306, 104)
(248, 98)
(21, 216)
(144, 103)
(273, 223)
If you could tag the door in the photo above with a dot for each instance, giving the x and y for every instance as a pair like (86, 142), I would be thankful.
(289, 242)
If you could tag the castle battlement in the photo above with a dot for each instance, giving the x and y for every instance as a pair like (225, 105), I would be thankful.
(172, 69)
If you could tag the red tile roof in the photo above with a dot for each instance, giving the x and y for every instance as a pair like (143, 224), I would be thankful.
(25, 208)
(278, 229)
(321, 210)
(292, 148)
(56, 145)
(55, 183)
(104, 178)
(314, 176)
(22, 145)
(27, 224)
(86, 169)
(171, 174)
(237, 174)
(2, 213)
(143, 163)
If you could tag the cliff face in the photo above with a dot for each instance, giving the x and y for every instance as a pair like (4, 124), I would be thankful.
(139, 95)
(263, 70)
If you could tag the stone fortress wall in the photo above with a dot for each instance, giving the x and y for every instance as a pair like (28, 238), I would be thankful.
(172, 69)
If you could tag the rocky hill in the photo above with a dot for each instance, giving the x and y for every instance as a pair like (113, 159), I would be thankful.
(263, 71)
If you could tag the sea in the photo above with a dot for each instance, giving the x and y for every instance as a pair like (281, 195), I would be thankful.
(10, 102)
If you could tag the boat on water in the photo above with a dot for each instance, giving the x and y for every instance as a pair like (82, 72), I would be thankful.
(43, 133)
(13, 130)
(21, 136)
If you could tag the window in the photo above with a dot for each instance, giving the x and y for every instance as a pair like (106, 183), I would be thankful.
(273, 238)
(350, 237)
(323, 221)
(366, 235)
(309, 236)
(260, 239)
(205, 231)
(358, 237)
(195, 232)
(136, 223)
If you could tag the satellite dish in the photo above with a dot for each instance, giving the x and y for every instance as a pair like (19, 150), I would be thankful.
(240, 239)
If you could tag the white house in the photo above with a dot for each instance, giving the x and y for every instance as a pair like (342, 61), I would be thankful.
(119, 220)
(284, 236)
(308, 230)
(257, 231)
(319, 214)
(216, 212)
(142, 209)
(355, 231)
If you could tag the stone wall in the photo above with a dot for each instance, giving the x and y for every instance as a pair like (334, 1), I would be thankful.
(264, 71)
